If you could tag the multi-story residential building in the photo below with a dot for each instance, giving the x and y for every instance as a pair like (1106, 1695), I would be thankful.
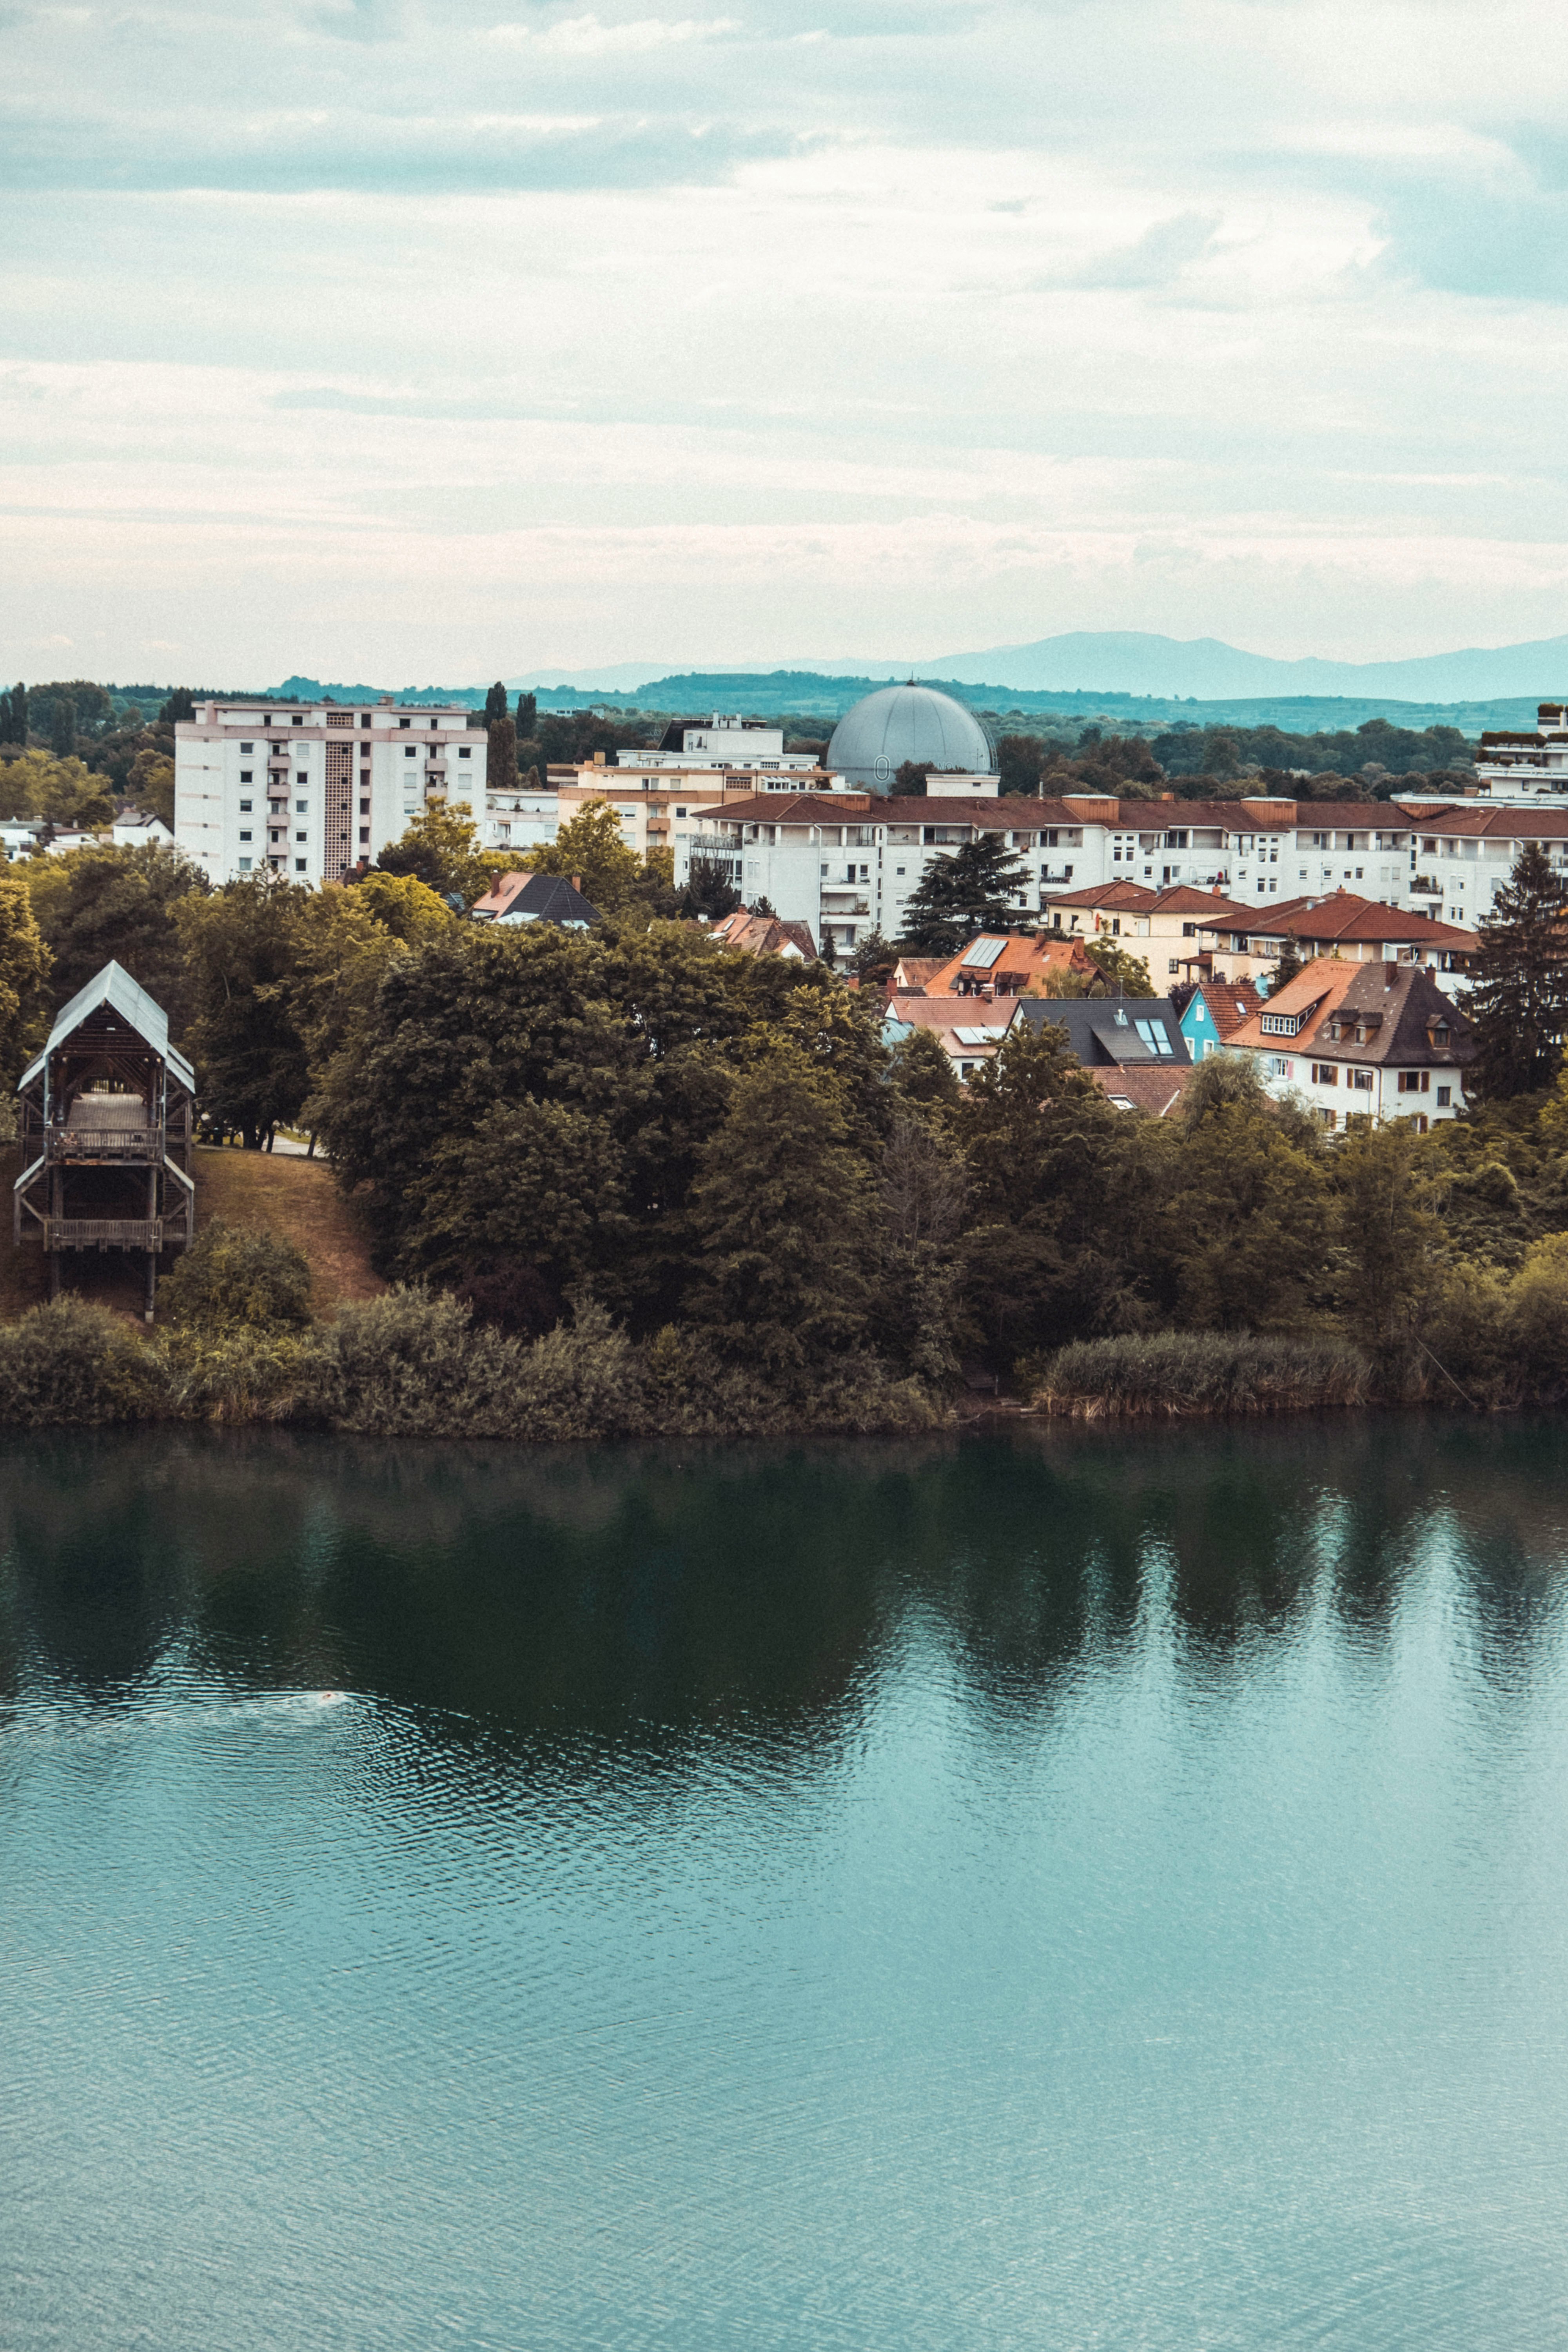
(735, 745)
(1164, 927)
(1527, 767)
(1356, 930)
(518, 816)
(1360, 1041)
(308, 791)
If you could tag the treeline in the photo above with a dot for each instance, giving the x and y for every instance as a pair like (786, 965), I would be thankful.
(72, 750)
(1373, 762)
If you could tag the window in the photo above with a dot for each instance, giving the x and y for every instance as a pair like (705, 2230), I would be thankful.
(247, 775)
(1174, 964)
(245, 748)
(365, 833)
(1414, 1082)
(275, 836)
(1360, 1079)
(1445, 1097)
(464, 752)
(1325, 1074)
(405, 723)
(301, 775)
(409, 751)
(245, 807)
(301, 808)
(302, 835)
(300, 721)
(299, 865)
(245, 834)
(364, 808)
(898, 869)
(1327, 1117)
(365, 720)
(244, 865)
(1278, 1067)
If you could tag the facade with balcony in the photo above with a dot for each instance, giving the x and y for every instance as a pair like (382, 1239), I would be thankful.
(307, 791)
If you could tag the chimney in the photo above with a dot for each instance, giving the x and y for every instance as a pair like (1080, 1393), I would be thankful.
(494, 881)
(577, 883)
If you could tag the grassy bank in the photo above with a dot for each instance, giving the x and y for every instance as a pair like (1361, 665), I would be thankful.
(413, 1363)
(1174, 1373)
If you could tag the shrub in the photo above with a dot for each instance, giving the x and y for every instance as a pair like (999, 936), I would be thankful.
(412, 1364)
(241, 1375)
(1176, 1372)
(74, 1362)
(236, 1277)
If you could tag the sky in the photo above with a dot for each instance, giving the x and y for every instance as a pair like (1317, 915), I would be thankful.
(421, 344)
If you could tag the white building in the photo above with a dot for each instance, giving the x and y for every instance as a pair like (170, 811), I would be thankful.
(308, 791)
(1527, 767)
(517, 818)
(721, 741)
(139, 829)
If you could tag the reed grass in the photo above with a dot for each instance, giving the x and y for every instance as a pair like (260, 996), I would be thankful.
(1176, 1373)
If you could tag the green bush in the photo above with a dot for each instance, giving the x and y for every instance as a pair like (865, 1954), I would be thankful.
(413, 1363)
(74, 1362)
(235, 1277)
(239, 1375)
(1176, 1372)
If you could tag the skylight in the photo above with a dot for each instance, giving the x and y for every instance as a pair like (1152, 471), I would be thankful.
(984, 953)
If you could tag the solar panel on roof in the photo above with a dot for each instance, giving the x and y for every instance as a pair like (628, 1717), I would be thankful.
(977, 1036)
(984, 953)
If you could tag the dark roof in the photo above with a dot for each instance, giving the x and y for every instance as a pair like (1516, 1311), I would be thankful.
(1105, 1030)
(535, 899)
(114, 992)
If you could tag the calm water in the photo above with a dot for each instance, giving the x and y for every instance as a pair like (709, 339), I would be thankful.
(1077, 1892)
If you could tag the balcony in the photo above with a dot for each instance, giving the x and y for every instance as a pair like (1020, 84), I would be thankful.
(69, 1146)
(103, 1232)
(1423, 885)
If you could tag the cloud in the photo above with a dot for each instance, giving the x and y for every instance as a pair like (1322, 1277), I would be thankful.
(586, 37)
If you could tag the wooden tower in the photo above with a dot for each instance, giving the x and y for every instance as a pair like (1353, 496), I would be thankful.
(108, 1111)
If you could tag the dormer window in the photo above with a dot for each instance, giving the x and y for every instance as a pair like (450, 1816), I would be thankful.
(1440, 1033)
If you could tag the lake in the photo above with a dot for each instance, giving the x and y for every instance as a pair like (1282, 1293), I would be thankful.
(1030, 1889)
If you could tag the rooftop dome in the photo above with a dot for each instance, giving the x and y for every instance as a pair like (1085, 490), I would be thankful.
(871, 742)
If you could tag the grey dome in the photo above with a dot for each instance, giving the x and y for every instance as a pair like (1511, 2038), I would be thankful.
(871, 742)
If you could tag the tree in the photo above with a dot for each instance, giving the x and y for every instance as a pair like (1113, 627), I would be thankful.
(24, 979)
(150, 784)
(101, 902)
(440, 846)
(243, 945)
(62, 728)
(590, 845)
(709, 889)
(872, 961)
(495, 704)
(501, 755)
(1246, 1223)
(1019, 761)
(1388, 1236)
(974, 890)
(1290, 961)
(63, 791)
(782, 1212)
(14, 715)
(912, 780)
(526, 716)
(1124, 974)
(1519, 999)
(181, 706)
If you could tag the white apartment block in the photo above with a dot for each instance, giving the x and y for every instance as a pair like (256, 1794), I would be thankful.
(307, 792)
(846, 863)
(721, 742)
(1527, 767)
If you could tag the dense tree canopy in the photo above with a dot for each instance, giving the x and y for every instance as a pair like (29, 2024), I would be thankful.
(1519, 1001)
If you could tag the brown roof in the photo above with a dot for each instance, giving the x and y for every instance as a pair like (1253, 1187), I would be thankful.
(1155, 1091)
(1396, 1007)
(1345, 915)
(764, 935)
(1230, 1003)
(1017, 961)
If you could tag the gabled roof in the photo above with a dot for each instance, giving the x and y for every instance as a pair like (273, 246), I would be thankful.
(1397, 1004)
(1122, 1030)
(114, 988)
(534, 898)
(764, 935)
(995, 955)
(1154, 1091)
(1345, 914)
(1228, 1003)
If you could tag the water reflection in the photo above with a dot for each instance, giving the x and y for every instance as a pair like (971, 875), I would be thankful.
(1037, 1890)
(582, 1591)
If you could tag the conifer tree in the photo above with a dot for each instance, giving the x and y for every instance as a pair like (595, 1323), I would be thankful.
(1519, 1001)
(974, 890)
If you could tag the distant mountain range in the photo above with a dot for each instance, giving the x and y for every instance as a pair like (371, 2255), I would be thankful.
(1132, 662)
(1135, 674)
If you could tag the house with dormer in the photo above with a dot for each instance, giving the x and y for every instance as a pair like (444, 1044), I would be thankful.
(1362, 1042)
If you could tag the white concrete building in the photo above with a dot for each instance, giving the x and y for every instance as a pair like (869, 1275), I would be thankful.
(308, 791)
(736, 744)
(1527, 767)
(517, 818)
(139, 829)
